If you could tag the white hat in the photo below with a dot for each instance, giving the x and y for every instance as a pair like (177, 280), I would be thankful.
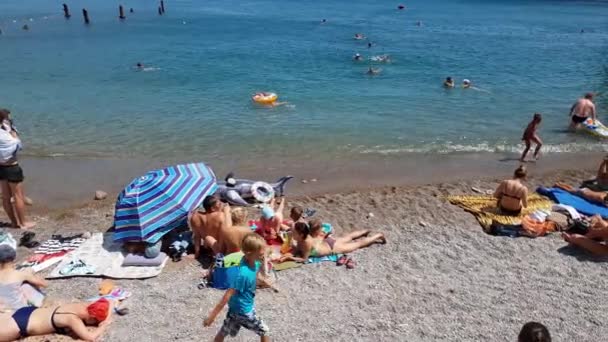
(466, 81)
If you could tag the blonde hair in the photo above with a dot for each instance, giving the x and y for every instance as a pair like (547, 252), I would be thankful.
(252, 242)
(238, 215)
(520, 172)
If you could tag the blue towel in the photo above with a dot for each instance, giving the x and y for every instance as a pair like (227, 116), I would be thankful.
(580, 204)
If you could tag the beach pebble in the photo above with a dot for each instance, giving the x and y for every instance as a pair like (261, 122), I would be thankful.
(370, 215)
(304, 181)
(423, 224)
(100, 195)
(313, 180)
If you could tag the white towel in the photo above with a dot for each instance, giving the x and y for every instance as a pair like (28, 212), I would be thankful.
(568, 209)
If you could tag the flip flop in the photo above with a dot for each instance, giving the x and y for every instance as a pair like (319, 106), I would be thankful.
(350, 264)
(342, 260)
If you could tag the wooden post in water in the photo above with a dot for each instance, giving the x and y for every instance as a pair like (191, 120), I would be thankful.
(85, 14)
(121, 12)
(66, 11)
(162, 6)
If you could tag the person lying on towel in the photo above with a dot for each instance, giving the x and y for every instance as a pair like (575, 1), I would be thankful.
(598, 197)
(512, 194)
(68, 318)
(594, 241)
(310, 246)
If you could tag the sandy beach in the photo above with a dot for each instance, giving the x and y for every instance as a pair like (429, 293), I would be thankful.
(439, 278)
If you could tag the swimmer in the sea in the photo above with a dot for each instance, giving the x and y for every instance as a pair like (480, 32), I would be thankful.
(359, 36)
(358, 57)
(373, 71)
(323, 21)
(369, 45)
(139, 66)
(466, 83)
(448, 83)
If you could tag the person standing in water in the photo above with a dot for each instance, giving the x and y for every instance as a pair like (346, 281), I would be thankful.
(448, 83)
(580, 111)
(531, 136)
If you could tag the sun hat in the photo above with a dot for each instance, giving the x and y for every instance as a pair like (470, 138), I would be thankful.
(267, 212)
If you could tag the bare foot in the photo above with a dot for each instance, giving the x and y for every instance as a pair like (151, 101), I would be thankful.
(28, 225)
(381, 240)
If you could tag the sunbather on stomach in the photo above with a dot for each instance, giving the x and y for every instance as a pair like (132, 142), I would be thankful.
(309, 246)
(598, 197)
(512, 194)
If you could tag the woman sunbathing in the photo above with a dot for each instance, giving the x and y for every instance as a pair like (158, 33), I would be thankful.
(308, 246)
(598, 197)
(31, 321)
(11, 280)
(512, 194)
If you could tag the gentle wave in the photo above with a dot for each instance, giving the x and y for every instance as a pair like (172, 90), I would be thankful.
(482, 147)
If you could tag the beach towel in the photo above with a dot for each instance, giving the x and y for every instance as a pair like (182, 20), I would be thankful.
(51, 252)
(101, 256)
(484, 208)
(580, 204)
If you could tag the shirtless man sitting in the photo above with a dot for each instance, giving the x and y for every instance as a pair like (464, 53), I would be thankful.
(512, 194)
(232, 233)
(581, 110)
(206, 226)
(599, 197)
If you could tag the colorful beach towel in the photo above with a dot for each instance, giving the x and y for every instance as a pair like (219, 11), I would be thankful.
(101, 256)
(580, 204)
(484, 208)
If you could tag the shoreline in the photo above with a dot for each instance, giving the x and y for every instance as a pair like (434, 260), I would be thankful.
(59, 184)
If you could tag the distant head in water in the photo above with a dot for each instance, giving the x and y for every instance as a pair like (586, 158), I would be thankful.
(139, 65)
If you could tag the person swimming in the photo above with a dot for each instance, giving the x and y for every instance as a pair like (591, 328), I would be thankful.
(448, 83)
(369, 45)
(358, 57)
(466, 83)
(139, 66)
(381, 59)
(373, 71)
(359, 36)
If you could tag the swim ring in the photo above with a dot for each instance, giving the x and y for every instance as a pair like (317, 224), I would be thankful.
(264, 98)
(262, 192)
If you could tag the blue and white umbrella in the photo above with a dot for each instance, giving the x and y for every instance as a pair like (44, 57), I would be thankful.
(154, 204)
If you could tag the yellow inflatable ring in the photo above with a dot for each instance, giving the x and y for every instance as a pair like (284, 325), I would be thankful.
(264, 98)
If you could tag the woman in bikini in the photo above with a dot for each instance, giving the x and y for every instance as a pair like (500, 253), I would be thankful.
(75, 317)
(512, 194)
(308, 246)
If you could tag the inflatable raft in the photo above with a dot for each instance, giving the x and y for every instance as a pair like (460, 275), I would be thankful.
(595, 128)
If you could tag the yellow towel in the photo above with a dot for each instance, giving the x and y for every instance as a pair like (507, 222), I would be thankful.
(484, 208)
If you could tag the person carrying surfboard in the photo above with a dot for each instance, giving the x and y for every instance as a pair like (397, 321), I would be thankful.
(581, 110)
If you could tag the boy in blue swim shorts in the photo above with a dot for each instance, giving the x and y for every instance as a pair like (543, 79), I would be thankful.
(241, 294)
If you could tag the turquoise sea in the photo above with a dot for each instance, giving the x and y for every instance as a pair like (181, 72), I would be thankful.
(74, 90)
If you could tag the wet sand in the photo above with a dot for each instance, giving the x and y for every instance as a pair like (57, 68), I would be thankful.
(57, 183)
(439, 278)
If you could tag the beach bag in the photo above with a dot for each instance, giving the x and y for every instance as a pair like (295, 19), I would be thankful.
(225, 270)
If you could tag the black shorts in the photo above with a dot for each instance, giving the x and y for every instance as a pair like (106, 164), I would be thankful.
(578, 119)
(11, 173)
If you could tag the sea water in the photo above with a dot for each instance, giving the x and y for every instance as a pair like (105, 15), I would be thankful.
(74, 89)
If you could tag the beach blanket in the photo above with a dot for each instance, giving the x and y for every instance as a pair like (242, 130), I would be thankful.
(580, 204)
(51, 252)
(484, 208)
(101, 256)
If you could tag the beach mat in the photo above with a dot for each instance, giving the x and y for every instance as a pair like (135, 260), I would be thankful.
(580, 204)
(105, 258)
(484, 208)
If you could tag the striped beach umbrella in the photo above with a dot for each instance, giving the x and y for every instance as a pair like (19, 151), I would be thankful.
(159, 201)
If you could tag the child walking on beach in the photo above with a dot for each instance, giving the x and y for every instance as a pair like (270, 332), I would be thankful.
(240, 296)
(531, 136)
